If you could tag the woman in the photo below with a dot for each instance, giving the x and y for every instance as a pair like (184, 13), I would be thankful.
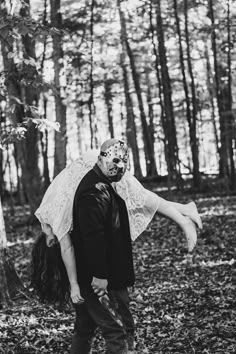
(49, 277)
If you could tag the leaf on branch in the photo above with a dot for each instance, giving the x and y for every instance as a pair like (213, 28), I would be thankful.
(4, 32)
(3, 24)
(15, 33)
(44, 124)
(24, 4)
(32, 62)
(55, 30)
(11, 55)
(53, 125)
(12, 109)
(23, 30)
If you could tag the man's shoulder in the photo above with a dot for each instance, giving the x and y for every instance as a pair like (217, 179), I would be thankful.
(102, 187)
(93, 182)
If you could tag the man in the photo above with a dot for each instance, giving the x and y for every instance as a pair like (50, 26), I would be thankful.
(103, 252)
(101, 243)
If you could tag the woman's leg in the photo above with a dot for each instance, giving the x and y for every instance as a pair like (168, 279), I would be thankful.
(169, 210)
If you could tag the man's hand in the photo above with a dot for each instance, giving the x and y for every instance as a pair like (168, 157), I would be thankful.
(99, 286)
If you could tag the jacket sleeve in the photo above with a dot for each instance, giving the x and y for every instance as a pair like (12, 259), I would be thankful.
(93, 211)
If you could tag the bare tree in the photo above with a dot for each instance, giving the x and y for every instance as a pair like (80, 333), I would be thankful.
(131, 126)
(27, 149)
(108, 101)
(148, 147)
(224, 102)
(60, 107)
(231, 119)
(168, 120)
(9, 280)
(91, 98)
(191, 106)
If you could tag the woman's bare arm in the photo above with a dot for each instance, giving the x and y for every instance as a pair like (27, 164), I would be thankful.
(68, 256)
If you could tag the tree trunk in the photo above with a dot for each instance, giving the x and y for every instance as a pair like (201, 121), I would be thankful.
(168, 121)
(60, 107)
(211, 90)
(1, 173)
(193, 125)
(108, 101)
(9, 280)
(226, 125)
(182, 67)
(91, 98)
(150, 109)
(160, 94)
(44, 147)
(231, 118)
(223, 166)
(148, 149)
(32, 179)
(4, 293)
(224, 103)
(27, 149)
(20, 187)
(131, 126)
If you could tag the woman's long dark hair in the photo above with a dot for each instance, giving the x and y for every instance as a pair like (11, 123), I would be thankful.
(48, 274)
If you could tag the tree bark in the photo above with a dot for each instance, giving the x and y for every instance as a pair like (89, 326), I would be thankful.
(231, 119)
(131, 126)
(32, 179)
(211, 90)
(168, 119)
(223, 165)
(91, 98)
(193, 124)
(148, 149)
(9, 280)
(4, 293)
(60, 107)
(44, 147)
(150, 109)
(27, 149)
(1, 173)
(160, 95)
(108, 101)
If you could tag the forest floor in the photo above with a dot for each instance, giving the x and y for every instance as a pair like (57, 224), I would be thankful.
(180, 305)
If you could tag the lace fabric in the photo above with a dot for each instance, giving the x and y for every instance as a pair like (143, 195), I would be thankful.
(57, 203)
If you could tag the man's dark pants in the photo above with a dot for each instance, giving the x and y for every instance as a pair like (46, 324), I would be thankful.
(115, 321)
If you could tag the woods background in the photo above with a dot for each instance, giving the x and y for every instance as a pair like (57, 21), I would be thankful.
(159, 74)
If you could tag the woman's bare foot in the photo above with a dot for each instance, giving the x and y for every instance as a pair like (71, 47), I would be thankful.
(189, 229)
(193, 214)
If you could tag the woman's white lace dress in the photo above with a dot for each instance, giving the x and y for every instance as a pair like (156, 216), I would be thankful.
(56, 206)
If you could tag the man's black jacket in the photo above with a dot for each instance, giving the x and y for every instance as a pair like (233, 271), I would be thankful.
(101, 233)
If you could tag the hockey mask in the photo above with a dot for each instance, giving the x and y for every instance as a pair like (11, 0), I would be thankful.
(113, 159)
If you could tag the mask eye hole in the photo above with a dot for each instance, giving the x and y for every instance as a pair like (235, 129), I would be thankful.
(116, 160)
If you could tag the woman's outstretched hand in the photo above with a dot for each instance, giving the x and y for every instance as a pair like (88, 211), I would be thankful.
(75, 294)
